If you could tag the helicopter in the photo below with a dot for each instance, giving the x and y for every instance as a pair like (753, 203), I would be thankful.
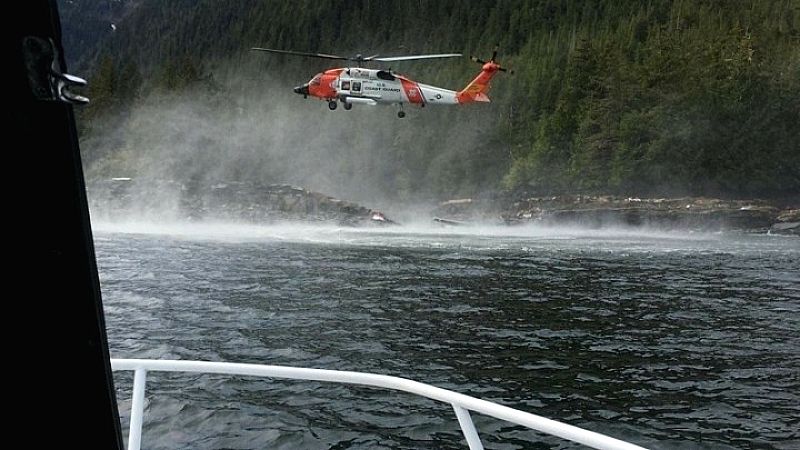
(361, 86)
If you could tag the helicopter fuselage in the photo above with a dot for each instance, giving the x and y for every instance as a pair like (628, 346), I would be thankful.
(356, 85)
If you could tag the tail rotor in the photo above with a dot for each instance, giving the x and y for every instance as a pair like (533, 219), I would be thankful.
(477, 89)
(492, 61)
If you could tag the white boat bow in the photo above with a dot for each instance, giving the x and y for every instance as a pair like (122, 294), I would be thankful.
(462, 404)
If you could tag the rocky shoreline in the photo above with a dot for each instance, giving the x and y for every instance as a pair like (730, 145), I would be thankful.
(128, 199)
(685, 213)
(261, 203)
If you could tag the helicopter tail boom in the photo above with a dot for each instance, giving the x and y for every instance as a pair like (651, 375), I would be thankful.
(477, 89)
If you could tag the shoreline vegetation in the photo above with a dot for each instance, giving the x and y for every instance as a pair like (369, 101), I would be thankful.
(653, 99)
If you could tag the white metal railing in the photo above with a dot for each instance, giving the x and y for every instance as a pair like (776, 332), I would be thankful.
(462, 404)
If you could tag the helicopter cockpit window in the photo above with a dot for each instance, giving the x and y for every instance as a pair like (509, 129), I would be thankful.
(317, 79)
(385, 75)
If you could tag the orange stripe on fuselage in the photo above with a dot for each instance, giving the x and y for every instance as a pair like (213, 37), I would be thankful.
(412, 91)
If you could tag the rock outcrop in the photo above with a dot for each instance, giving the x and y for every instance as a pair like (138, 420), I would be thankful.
(700, 214)
(124, 198)
(272, 203)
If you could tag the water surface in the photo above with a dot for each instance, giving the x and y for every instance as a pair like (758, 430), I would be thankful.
(668, 340)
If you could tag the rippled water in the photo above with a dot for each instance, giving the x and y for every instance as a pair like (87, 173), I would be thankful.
(670, 341)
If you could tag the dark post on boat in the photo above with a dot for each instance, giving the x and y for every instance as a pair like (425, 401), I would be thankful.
(55, 333)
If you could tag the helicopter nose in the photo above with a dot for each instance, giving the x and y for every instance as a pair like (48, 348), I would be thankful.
(302, 90)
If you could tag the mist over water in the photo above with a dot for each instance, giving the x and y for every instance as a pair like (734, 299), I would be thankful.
(486, 236)
(252, 127)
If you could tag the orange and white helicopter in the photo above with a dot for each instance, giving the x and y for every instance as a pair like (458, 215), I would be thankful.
(362, 86)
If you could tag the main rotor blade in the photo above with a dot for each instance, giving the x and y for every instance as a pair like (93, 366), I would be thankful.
(359, 58)
(412, 57)
(310, 55)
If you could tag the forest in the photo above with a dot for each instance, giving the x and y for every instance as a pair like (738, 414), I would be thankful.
(633, 98)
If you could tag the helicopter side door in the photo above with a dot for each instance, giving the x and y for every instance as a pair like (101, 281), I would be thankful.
(349, 87)
(355, 88)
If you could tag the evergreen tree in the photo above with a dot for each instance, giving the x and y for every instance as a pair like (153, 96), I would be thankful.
(636, 98)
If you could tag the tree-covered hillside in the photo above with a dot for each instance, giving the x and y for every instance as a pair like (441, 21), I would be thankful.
(661, 97)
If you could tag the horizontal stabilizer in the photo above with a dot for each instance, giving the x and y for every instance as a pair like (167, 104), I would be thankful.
(481, 97)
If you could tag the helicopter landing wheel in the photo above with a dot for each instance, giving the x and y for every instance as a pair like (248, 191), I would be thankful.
(332, 105)
(348, 106)
(401, 114)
